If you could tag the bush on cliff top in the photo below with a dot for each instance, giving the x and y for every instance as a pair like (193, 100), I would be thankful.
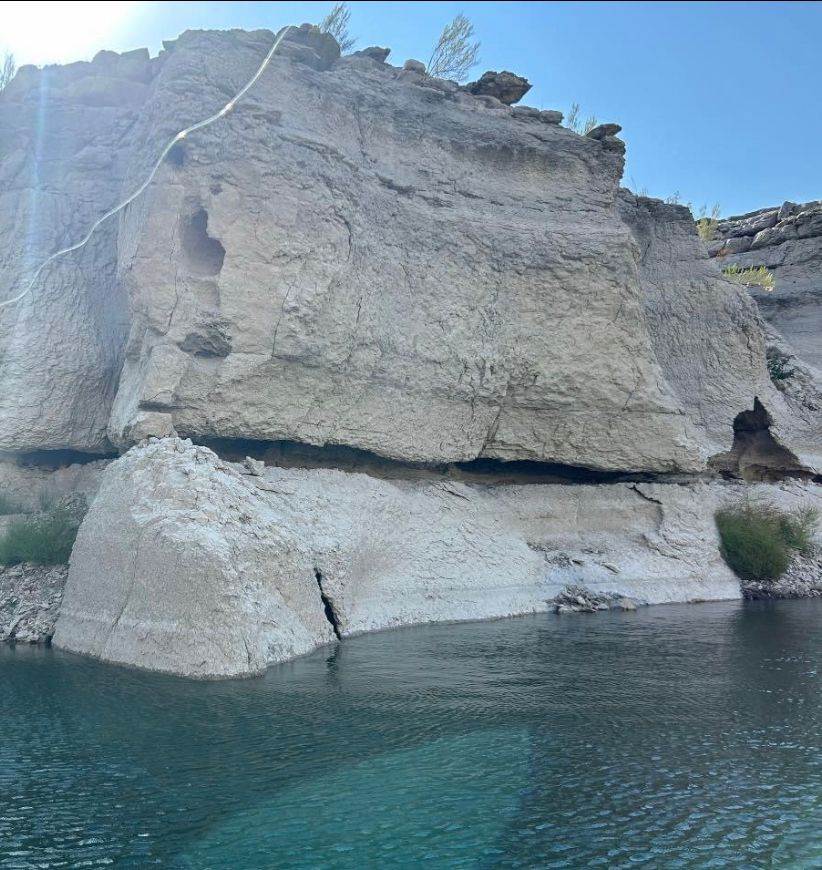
(759, 541)
(45, 539)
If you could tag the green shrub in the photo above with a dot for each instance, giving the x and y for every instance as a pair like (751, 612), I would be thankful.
(707, 225)
(759, 541)
(758, 275)
(45, 539)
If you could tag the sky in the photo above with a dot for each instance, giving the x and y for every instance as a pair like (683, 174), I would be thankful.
(719, 102)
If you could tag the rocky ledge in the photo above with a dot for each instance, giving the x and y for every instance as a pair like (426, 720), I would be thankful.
(803, 579)
(786, 239)
(30, 597)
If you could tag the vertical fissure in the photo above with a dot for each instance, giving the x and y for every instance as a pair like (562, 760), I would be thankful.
(328, 605)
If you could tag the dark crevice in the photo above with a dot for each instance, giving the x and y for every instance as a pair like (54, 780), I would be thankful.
(755, 455)
(328, 605)
(204, 255)
(53, 459)
(176, 155)
(293, 454)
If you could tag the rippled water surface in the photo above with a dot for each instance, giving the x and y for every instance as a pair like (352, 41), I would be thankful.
(685, 736)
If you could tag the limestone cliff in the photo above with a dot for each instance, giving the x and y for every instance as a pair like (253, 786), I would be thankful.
(477, 369)
(356, 255)
(787, 239)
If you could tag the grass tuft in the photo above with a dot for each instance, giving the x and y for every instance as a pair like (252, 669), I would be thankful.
(759, 541)
(755, 275)
(45, 539)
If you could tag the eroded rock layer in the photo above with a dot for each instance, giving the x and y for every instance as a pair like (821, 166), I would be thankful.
(356, 255)
(787, 240)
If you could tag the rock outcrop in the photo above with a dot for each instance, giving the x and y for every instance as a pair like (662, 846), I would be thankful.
(507, 87)
(788, 241)
(185, 563)
(355, 255)
(30, 597)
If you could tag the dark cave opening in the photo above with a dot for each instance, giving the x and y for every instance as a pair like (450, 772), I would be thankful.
(204, 255)
(755, 455)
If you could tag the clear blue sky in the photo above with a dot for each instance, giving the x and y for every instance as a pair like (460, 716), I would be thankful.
(718, 101)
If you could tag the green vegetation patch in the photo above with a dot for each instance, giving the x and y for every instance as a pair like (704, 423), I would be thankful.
(759, 541)
(45, 539)
(756, 275)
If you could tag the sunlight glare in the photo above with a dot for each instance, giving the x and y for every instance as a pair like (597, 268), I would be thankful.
(54, 32)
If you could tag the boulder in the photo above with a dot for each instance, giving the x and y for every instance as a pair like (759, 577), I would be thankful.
(373, 52)
(416, 66)
(181, 566)
(506, 86)
(550, 116)
(603, 131)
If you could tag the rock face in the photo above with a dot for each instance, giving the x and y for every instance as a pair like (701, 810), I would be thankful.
(788, 241)
(30, 598)
(186, 564)
(29, 485)
(370, 262)
(355, 255)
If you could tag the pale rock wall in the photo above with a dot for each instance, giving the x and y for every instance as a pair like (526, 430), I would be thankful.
(364, 256)
(65, 141)
(31, 485)
(192, 565)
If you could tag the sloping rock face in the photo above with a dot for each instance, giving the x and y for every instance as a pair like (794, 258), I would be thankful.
(186, 564)
(788, 240)
(682, 306)
(355, 255)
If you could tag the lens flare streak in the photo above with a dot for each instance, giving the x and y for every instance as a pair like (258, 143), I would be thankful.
(150, 177)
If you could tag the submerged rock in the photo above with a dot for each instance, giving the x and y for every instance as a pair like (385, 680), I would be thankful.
(579, 599)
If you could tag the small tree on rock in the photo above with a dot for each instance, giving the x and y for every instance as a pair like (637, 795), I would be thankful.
(7, 70)
(573, 121)
(456, 51)
(336, 25)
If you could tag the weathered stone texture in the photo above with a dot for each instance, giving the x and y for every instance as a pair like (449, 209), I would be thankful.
(189, 564)
(355, 255)
(788, 241)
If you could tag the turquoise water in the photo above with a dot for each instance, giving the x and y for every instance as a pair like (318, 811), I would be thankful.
(684, 736)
